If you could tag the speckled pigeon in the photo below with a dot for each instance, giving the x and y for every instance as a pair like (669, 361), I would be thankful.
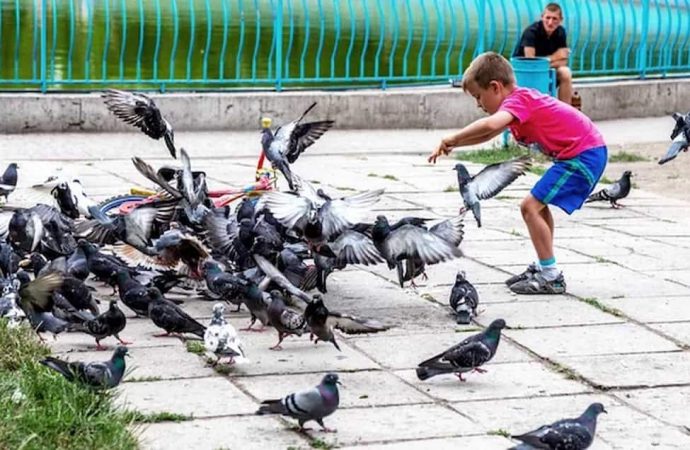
(466, 356)
(618, 190)
(221, 338)
(566, 434)
(310, 404)
(286, 321)
(489, 182)
(103, 375)
(463, 299)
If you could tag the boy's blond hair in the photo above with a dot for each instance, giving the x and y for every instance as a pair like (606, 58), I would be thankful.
(488, 67)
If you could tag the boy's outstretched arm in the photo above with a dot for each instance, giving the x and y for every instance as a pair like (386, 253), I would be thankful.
(475, 133)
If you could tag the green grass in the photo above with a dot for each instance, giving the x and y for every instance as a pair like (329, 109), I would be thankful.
(569, 373)
(492, 155)
(196, 347)
(385, 177)
(451, 188)
(143, 379)
(606, 180)
(499, 432)
(607, 309)
(163, 416)
(40, 409)
(627, 157)
(320, 443)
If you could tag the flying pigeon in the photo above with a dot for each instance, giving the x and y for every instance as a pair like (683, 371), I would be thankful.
(140, 110)
(466, 356)
(310, 404)
(618, 190)
(8, 181)
(680, 137)
(321, 322)
(221, 338)
(570, 434)
(489, 182)
(103, 375)
(463, 299)
(290, 140)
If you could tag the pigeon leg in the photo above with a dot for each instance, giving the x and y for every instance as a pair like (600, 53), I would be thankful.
(249, 327)
(99, 347)
(459, 375)
(162, 334)
(238, 308)
(324, 428)
(479, 370)
(281, 336)
(121, 341)
(230, 361)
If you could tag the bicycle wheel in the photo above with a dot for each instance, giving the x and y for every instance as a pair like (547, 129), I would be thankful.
(114, 203)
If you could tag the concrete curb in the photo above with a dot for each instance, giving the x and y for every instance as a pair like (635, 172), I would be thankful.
(432, 107)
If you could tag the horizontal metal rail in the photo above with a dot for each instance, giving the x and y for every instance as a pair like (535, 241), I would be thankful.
(276, 44)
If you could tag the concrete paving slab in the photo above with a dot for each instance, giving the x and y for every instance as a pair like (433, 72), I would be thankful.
(359, 389)
(501, 381)
(591, 340)
(634, 370)
(479, 442)
(411, 350)
(667, 404)
(235, 433)
(652, 309)
(677, 330)
(196, 397)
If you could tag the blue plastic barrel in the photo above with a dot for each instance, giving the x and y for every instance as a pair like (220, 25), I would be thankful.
(534, 73)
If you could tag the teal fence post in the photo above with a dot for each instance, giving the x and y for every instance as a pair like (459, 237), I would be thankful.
(481, 13)
(642, 51)
(44, 46)
(278, 33)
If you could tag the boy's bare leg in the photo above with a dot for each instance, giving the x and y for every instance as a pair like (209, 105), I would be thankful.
(565, 84)
(539, 225)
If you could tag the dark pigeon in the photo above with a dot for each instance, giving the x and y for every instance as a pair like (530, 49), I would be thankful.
(466, 356)
(464, 299)
(8, 181)
(617, 191)
(170, 317)
(109, 323)
(489, 182)
(680, 137)
(566, 434)
(100, 375)
(310, 404)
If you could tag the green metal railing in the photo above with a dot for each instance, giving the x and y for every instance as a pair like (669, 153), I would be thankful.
(274, 44)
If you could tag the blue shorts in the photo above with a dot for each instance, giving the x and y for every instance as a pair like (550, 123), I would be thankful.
(568, 183)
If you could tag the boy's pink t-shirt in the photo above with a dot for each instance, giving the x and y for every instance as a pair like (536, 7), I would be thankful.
(560, 130)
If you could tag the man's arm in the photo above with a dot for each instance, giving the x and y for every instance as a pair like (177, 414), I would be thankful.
(475, 133)
(560, 57)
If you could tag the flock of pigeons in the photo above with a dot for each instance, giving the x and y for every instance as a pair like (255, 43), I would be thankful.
(268, 255)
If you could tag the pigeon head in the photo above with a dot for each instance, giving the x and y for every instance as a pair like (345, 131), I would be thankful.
(65, 200)
(211, 266)
(113, 305)
(331, 379)
(627, 174)
(266, 138)
(460, 277)
(120, 352)
(218, 309)
(463, 175)
(497, 325)
(317, 299)
(594, 410)
(87, 247)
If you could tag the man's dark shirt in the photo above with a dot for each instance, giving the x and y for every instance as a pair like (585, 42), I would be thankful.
(535, 36)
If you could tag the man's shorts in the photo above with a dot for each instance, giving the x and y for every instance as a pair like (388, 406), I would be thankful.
(568, 183)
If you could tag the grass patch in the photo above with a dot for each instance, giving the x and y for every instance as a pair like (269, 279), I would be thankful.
(627, 157)
(196, 347)
(163, 416)
(600, 306)
(320, 443)
(385, 177)
(537, 170)
(601, 259)
(569, 373)
(451, 188)
(428, 297)
(606, 180)
(514, 232)
(143, 379)
(492, 155)
(499, 432)
(40, 409)
(314, 181)
(345, 188)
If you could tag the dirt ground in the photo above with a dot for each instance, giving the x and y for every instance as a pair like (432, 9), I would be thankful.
(671, 179)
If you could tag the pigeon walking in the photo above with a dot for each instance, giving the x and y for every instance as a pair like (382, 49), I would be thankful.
(618, 190)
(489, 182)
(103, 375)
(310, 404)
(566, 434)
(466, 356)
(680, 137)
(140, 110)
(221, 338)
(290, 140)
(286, 321)
(8, 181)
(464, 299)
(170, 317)
(109, 323)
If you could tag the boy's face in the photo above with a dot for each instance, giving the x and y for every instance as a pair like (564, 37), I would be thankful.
(551, 21)
(488, 99)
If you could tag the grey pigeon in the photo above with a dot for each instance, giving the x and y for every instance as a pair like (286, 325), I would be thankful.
(102, 375)
(290, 140)
(322, 322)
(140, 110)
(310, 404)
(109, 323)
(466, 356)
(680, 137)
(566, 434)
(8, 181)
(221, 338)
(489, 182)
(286, 321)
(464, 299)
(618, 190)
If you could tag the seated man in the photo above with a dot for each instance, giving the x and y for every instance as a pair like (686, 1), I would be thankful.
(546, 37)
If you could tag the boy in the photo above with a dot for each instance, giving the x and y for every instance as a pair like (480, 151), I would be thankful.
(556, 129)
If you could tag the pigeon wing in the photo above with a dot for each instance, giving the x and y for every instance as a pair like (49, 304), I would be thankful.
(305, 135)
(495, 177)
(136, 109)
(409, 241)
(277, 277)
(352, 247)
(354, 325)
(450, 230)
(288, 209)
(338, 215)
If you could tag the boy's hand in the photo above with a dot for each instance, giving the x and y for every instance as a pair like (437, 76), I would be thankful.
(443, 149)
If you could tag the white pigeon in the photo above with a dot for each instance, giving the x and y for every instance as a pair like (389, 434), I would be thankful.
(221, 338)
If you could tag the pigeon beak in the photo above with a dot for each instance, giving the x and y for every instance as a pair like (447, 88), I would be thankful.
(339, 382)
(127, 355)
(604, 411)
